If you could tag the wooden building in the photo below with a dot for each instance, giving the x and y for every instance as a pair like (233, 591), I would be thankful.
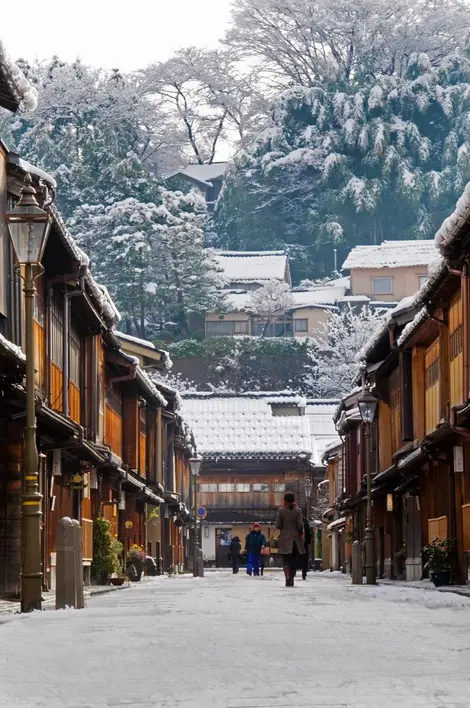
(255, 447)
(417, 366)
(112, 442)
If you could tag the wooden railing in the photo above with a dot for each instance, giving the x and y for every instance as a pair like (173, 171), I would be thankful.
(437, 528)
(113, 434)
(87, 540)
(39, 354)
(56, 387)
(142, 453)
(432, 387)
(74, 403)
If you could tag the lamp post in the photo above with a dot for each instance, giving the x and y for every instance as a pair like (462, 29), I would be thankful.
(195, 465)
(367, 408)
(308, 485)
(28, 225)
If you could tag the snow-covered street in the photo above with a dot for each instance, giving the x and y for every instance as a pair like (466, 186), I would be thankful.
(239, 642)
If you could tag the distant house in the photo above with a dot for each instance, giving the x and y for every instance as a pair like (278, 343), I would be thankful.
(208, 179)
(255, 447)
(146, 352)
(243, 272)
(390, 271)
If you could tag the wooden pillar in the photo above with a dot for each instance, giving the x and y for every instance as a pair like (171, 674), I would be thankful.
(10, 509)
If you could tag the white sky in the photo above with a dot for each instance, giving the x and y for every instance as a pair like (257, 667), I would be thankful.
(111, 33)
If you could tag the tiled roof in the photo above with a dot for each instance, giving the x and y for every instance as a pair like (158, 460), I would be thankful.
(392, 254)
(252, 266)
(244, 427)
(203, 173)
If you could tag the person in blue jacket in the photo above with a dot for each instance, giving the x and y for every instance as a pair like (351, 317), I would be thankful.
(254, 542)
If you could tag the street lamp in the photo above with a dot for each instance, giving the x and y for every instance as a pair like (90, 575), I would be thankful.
(367, 404)
(28, 225)
(308, 485)
(195, 466)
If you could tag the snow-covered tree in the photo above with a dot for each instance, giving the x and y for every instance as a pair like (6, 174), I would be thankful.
(208, 97)
(343, 165)
(303, 42)
(95, 132)
(271, 300)
(151, 256)
(334, 363)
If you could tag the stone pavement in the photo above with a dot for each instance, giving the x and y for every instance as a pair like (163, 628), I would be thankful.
(238, 642)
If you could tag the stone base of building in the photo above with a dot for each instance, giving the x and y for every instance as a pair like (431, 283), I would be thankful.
(414, 568)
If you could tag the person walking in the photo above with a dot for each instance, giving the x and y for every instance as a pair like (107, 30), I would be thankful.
(291, 525)
(235, 550)
(307, 539)
(254, 542)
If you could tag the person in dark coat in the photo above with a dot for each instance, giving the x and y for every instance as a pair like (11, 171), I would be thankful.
(235, 550)
(254, 542)
(290, 522)
(307, 541)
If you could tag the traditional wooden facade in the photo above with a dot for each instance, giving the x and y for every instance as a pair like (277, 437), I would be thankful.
(255, 447)
(418, 367)
(111, 441)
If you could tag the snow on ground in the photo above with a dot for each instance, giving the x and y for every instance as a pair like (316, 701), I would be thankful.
(239, 642)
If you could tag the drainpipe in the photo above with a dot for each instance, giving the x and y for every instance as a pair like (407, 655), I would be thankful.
(127, 377)
(66, 364)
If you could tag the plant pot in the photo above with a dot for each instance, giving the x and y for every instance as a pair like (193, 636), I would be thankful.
(117, 581)
(440, 578)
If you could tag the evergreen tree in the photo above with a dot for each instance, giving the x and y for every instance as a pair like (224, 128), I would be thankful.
(343, 165)
(151, 256)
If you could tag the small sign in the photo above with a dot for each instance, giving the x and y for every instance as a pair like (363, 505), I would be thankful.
(201, 512)
(57, 463)
(458, 458)
(389, 502)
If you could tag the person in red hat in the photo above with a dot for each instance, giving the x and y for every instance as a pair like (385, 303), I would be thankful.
(254, 542)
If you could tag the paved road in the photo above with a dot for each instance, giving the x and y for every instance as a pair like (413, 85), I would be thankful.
(239, 642)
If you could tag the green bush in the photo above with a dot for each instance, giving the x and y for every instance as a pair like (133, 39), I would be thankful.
(107, 551)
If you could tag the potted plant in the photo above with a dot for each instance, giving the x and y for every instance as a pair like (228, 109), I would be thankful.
(102, 565)
(438, 560)
(118, 576)
(135, 557)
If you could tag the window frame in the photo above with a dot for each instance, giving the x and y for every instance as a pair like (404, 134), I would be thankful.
(298, 321)
(246, 487)
(229, 487)
(210, 485)
(382, 291)
(279, 487)
(237, 323)
(261, 484)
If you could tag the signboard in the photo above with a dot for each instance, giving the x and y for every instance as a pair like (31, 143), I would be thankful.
(201, 512)
(389, 502)
(458, 458)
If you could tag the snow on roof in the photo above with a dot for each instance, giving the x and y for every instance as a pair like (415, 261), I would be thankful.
(252, 266)
(203, 173)
(244, 426)
(322, 427)
(318, 296)
(459, 218)
(392, 254)
(412, 326)
(136, 340)
(12, 350)
(23, 95)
